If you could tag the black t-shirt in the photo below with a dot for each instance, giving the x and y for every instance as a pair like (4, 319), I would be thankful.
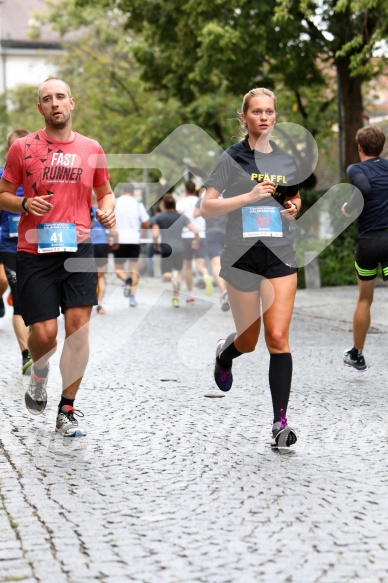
(238, 169)
(171, 224)
(374, 215)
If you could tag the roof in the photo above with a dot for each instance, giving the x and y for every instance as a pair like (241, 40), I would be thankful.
(16, 19)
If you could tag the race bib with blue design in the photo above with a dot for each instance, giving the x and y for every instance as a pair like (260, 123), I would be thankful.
(261, 221)
(57, 237)
(13, 221)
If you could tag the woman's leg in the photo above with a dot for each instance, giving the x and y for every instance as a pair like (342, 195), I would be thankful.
(278, 297)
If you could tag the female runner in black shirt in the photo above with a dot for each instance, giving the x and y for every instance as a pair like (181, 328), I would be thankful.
(254, 182)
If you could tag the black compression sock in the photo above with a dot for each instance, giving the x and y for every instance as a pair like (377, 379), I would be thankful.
(25, 353)
(65, 401)
(229, 353)
(280, 374)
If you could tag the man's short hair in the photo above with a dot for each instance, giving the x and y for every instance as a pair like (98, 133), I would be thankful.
(168, 202)
(128, 187)
(191, 188)
(67, 86)
(14, 135)
(371, 139)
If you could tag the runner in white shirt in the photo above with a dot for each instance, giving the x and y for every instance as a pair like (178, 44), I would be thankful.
(131, 217)
(186, 206)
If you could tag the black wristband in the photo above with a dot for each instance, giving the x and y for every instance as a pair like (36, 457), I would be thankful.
(24, 204)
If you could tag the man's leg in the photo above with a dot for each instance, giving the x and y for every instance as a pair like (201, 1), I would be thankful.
(42, 343)
(361, 317)
(75, 353)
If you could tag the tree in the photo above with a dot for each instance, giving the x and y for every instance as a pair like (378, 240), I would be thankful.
(193, 48)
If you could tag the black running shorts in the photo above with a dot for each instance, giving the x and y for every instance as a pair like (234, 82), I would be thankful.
(126, 251)
(101, 254)
(372, 249)
(170, 260)
(190, 253)
(246, 272)
(45, 285)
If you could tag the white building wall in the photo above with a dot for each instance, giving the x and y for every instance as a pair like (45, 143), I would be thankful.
(24, 68)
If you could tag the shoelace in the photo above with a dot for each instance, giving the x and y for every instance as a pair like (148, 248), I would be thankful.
(70, 412)
(283, 418)
(38, 392)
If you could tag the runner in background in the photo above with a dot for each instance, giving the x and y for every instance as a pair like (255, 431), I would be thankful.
(370, 176)
(168, 226)
(99, 237)
(215, 242)
(186, 206)
(8, 247)
(131, 217)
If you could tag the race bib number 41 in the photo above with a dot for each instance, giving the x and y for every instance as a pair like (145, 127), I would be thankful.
(261, 221)
(57, 237)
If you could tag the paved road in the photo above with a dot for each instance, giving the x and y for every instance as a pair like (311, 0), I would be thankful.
(172, 487)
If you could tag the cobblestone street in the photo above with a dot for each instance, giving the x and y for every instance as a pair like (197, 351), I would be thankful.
(170, 486)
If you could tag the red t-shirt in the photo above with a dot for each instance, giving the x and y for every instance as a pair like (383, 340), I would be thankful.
(44, 166)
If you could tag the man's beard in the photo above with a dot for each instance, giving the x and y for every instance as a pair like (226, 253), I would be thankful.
(58, 124)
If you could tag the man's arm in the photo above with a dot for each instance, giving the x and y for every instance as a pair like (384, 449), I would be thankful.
(106, 204)
(360, 181)
(196, 242)
(37, 205)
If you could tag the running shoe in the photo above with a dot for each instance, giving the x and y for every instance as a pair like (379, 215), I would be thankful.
(10, 299)
(224, 302)
(132, 302)
(36, 395)
(175, 302)
(67, 424)
(27, 364)
(222, 376)
(200, 283)
(352, 359)
(127, 286)
(190, 300)
(282, 434)
(208, 285)
(2, 308)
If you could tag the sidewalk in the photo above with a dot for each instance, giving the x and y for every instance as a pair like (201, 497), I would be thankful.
(169, 486)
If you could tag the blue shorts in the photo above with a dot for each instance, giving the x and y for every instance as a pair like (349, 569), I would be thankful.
(215, 243)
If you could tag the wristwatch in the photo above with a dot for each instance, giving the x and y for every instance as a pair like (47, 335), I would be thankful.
(24, 204)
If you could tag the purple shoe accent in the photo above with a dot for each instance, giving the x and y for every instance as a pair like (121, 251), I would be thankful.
(222, 376)
(282, 434)
(283, 419)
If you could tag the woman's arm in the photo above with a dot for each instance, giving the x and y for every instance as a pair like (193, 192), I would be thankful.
(213, 206)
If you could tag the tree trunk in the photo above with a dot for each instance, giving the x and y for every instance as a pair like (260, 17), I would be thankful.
(352, 107)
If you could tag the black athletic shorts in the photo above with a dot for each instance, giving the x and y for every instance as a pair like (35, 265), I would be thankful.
(9, 260)
(190, 253)
(257, 263)
(170, 260)
(372, 249)
(101, 251)
(45, 285)
(126, 251)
